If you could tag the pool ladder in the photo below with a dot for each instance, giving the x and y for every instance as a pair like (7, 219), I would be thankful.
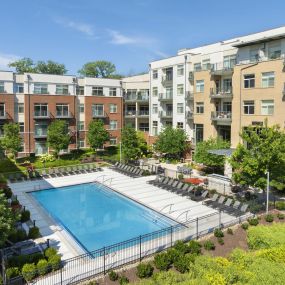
(158, 218)
(185, 212)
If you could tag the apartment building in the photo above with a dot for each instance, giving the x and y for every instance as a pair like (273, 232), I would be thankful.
(35, 100)
(221, 88)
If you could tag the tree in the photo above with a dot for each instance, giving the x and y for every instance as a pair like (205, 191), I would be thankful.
(130, 144)
(172, 142)
(97, 135)
(99, 68)
(28, 65)
(57, 136)
(202, 154)
(263, 150)
(7, 220)
(12, 141)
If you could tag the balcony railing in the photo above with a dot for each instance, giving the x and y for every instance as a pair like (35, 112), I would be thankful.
(221, 93)
(63, 115)
(189, 95)
(189, 115)
(131, 113)
(167, 79)
(3, 115)
(221, 116)
(223, 67)
(191, 76)
(99, 114)
(41, 91)
(40, 133)
(165, 97)
(143, 113)
(165, 114)
(137, 97)
(42, 114)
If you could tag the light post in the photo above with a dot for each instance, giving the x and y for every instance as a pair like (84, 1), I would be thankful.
(267, 192)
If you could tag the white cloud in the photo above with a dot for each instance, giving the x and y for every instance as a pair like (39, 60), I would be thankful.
(81, 27)
(5, 59)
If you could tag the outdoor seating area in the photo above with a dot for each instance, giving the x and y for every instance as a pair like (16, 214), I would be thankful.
(180, 188)
(53, 172)
(132, 171)
(227, 205)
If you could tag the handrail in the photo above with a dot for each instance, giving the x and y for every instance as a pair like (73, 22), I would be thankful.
(166, 207)
(182, 214)
(108, 179)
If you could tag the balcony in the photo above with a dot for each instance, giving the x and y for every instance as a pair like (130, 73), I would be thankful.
(222, 117)
(189, 115)
(130, 114)
(40, 133)
(191, 77)
(99, 114)
(63, 115)
(136, 98)
(189, 96)
(165, 97)
(143, 114)
(130, 97)
(167, 79)
(165, 114)
(41, 115)
(223, 68)
(221, 93)
(142, 98)
(3, 115)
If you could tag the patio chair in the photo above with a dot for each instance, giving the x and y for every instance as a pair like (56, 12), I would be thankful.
(233, 208)
(227, 204)
(219, 203)
(242, 210)
(212, 200)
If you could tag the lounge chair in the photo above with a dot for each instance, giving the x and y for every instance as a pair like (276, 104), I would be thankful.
(219, 203)
(200, 197)
(51, 172)
(233, 208)
(169, 184)
(227, 204)
(57, 172)
(85, 168)
(242, 210)
(69, 170)
(160, 181)
(156, 180)
(75, 170)
(212, 200)
(141, 172)
(44, 174)
(178, 188)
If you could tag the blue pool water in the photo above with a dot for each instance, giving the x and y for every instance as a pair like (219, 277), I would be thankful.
(96, 216)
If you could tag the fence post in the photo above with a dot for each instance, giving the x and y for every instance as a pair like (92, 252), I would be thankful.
(104, 261)
(61, 274)
(171, 236)
(197, 227)
(220, 218)
(140, 248)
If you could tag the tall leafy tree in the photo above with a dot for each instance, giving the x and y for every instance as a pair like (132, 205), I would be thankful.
(57, 136)
(130, 144)
(12, 141)
(202, 154)
(263, 150)
(172, 142)
(99, 68)
(97, 134)
(23, 65)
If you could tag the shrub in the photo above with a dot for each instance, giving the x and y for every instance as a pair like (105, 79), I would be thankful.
(50, 252)
(25, 216)
(220, 240)
(42, 267)
(18, 235)
(34, 233)
(280, 205)
(280, 216)
(144, 270)
(123, 280)
(162, 261)
(253, 221)
(29, 271)
(180, 176)
(54, 261)
(7, 192)
(173, 254)
(20, 260)
(230, 231)
(12, 272)
(194, 247)
(181, 247)
(244, 226)
(15, 203)
(269, 218)
(113, 276)
(182, 264)
(208, 245)
(218, 233)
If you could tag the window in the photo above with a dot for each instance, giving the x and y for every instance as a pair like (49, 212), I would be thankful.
(154, 128)
(154, 108)
(113, 108)
(113, 91)
(180, 70)
(113, 141)
(229, 61)
(227, 85)
(62, 110)
(179, 125)
(19, 88)
(180, 89)
(2, 109)
(97, 91)
(40, 148)
(41, 110)
(206, 65)
(249, 81)
(79, 90)
(98, 110)
(131, 94)
(169, 92)
(267, 107)
(199, 131)
(2, 87)
(199, 107)
(248, 107)
(274, 50)
(254, 55)
(143, 95)
(180, 108)
(144, 110)
(40, 88)
(144, 127)
(80, 126)
(197, 66)
(61, 89)
(154, 91)
(20, 108)
(199, 85)
(81, 143)
(268, 79)
(41, 129)
(81, 108)
(22, 127)
(113, 125)
(154, 74)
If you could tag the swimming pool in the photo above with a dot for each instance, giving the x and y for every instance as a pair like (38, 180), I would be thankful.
(97, 216)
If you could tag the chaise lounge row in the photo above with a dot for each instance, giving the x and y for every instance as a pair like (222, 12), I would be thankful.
(53, 172)
(128, 170)
(179, 188)
(227, 205)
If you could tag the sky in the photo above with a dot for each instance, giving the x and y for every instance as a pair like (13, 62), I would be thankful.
(129, 33)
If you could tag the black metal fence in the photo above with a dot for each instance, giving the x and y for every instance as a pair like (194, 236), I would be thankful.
(92, 264)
